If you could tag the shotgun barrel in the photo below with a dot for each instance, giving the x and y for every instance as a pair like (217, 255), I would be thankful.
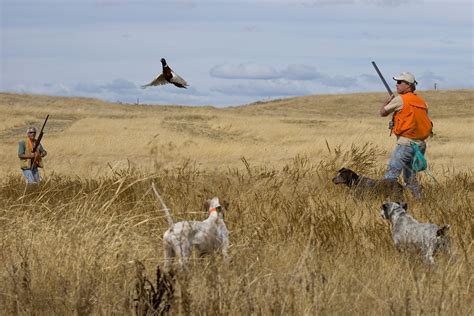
(382, 78)
(38, 142)
(392, 122)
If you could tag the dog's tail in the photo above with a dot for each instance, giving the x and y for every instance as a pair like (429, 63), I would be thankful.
(166, 209)
(442, 231)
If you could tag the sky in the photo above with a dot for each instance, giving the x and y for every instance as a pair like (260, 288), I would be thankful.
(231, 52)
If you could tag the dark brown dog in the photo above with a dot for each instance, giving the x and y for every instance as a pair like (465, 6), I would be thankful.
(387, 187)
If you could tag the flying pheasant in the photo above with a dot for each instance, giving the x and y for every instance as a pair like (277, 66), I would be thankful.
(167, 76)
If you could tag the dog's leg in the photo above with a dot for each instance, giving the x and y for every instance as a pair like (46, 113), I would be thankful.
(443, 244)
(430, 260)
(183, 251)
(428, 254)
(169, 255)
(447, 247)
(225, 245)
(397, 242)
(225, 249)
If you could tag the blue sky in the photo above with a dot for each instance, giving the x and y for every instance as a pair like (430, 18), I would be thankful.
(231, 52)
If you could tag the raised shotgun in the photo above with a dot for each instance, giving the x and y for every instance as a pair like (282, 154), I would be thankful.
(390, 124)
(37, 144)
(382, 78)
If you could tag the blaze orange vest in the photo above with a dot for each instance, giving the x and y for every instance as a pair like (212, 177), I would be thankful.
(26, 163)
(412, 121)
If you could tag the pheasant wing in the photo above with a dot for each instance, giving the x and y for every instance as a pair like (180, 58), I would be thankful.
(160, 80)
(178, 81)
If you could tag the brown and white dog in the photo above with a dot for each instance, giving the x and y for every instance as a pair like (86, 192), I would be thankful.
(205, 236)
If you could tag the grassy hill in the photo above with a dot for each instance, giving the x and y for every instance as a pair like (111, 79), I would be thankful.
(85, 135)
(82, 241)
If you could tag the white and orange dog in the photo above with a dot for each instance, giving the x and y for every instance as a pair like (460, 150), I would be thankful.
(205, 237)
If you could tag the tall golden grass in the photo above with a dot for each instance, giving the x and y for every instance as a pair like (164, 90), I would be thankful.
(299, 244)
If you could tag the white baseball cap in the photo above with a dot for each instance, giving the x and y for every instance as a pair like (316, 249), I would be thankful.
(406, 76)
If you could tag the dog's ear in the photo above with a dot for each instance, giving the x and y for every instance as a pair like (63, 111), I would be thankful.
(404, 205)
(225, 204)
(206, 205)
(385, 211)
(442, 231)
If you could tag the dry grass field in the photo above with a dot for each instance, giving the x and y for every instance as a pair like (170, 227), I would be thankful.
(87, 240)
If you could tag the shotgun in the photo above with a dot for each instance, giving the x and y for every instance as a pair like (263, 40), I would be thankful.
(37, 144)
(382, 78)
(390, 124)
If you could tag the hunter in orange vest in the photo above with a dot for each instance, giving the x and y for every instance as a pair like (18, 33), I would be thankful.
(411, 125)
(26, 155)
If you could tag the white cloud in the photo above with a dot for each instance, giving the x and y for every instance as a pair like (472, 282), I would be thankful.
(269, 75)
(428, 79)
(117, 86)
(120, 86)
(338, 81)
(43, 89)
(263, 88)
(390, 3)
(244, 71)
(88, 88)
(318, 3)
(301, 72)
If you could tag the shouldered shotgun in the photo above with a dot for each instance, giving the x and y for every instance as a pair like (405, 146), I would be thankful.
(34, 160)
(390, 124)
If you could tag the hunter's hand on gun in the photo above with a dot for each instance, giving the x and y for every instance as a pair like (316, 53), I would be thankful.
(36, 154)
(35, 157)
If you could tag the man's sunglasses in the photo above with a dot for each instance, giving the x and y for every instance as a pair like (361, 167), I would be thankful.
(401, 81)
(31, 132)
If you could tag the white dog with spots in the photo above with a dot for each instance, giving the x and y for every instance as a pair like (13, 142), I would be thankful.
(407, 232)
(205, 237)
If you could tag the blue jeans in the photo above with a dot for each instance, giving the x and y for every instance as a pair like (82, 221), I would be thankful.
(32, 176)
(401, 160)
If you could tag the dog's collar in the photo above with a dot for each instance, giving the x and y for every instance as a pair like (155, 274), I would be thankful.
(399, 211)
(216, 209)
